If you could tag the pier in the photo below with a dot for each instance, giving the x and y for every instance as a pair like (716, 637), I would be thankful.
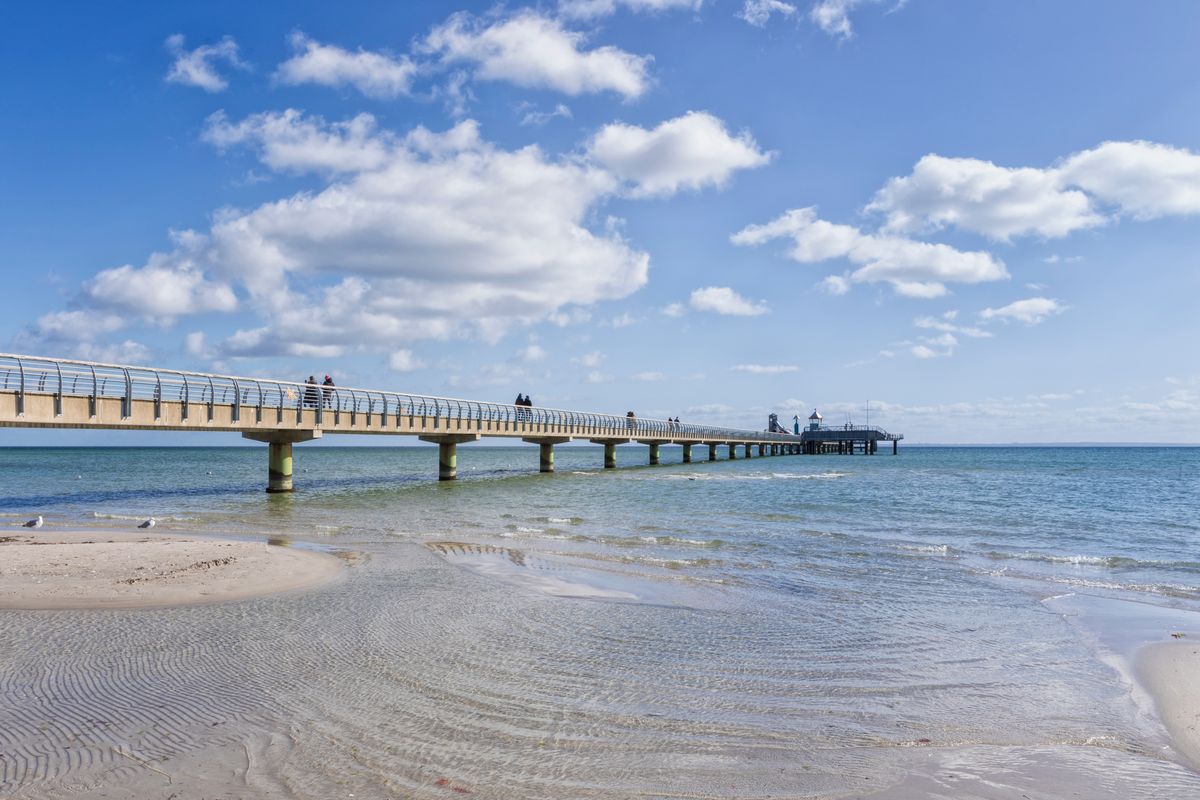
(40, 392)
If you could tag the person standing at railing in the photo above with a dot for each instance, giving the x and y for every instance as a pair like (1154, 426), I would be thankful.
(310, 391)
(327, 392)
(631, 419)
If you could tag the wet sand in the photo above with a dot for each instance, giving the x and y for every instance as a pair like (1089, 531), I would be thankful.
(1170, 671)
(104, 569)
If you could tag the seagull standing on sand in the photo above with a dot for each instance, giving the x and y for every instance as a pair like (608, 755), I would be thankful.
(35, 523)
(148, 523)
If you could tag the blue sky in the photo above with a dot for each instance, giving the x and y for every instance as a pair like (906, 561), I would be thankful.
(978, 217)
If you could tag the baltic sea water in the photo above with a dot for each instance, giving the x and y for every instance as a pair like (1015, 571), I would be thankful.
(790, 626)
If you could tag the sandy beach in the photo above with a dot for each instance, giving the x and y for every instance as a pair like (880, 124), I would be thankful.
(1170, 671)
(102, 569)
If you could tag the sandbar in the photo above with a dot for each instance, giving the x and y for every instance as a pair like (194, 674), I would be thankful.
(1170, 671)
(106, 569)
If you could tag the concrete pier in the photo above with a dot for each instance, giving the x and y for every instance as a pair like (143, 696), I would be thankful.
(546, 450)
(653, 452)
(687, 452)
(712, 451)
(733, 451)
(747, 450)
(610, 450)
(448, 452)
(279, 455)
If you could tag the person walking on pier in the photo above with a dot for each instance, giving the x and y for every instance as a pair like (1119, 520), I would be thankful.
(310, 392)
(327, 392)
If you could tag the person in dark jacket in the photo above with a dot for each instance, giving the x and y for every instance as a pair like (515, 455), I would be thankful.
(310, 391)
(327, 392)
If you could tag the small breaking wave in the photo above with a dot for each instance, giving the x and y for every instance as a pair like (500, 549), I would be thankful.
(139, 517)
(1110, 562)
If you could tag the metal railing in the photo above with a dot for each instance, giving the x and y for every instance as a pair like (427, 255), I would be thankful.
(284, 402)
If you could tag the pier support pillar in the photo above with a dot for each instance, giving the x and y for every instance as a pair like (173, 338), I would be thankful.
(448, 452)
(732, 451)
(610, 450)
(762, 450)
(687, 452)
(546, 450)
(748, 449)
(653, 451)
(895, 446)
(712, 452)
(279, 455)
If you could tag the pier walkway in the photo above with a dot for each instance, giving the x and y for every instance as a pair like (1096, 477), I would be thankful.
(56, 393)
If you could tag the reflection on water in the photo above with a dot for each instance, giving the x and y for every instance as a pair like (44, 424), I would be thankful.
(766, 629)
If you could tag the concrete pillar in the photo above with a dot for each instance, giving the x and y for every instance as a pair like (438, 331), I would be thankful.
(687, 452)
(747, 449)
(279, 467)
(447, 461)
(610, 455)
(712, 452)
(279, 455)
(448, 452)
(653, 453)
(762, 450)
(732, 451)
(546, 450)
(895, 446)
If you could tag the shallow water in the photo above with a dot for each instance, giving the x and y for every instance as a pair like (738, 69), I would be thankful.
(794, 626)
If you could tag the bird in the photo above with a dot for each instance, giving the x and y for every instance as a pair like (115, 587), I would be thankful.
(35, 523)
(150, 523)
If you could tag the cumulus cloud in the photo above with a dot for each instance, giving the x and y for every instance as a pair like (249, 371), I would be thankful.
(198, 67)
(1031, 311)
(913, 268)
(723, 300)
(1140, 180)
(377, 75)
(536, 52)
(591, 9)
(674, 310)
(289, 141)
(404, 361)
(429, 235)
(687, 152)
(979, 196)
(79, 334)
(946, 324)
(766, 369)
(758, 12)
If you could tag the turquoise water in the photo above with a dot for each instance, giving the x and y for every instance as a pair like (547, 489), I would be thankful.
(787, 626)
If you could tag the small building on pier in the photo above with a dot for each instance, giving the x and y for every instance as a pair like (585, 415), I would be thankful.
(847, 439)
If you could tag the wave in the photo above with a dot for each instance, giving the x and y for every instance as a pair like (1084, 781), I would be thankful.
(139, 517)
(1110, 562)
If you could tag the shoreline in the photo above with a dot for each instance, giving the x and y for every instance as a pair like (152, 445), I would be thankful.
(1170, 673)
(105, 569)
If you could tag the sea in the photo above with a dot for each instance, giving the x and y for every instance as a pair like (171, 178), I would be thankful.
(948, 622)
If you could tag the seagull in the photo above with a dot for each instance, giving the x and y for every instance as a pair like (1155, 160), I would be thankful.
(150, 523)
(35, 523)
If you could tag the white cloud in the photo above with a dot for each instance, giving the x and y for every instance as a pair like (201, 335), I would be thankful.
(1055, 258)
(758, 12)
(623, 321)
(674, 310)
(979, 196)
(590, 360)
(723, 300)
(289, 141)
(766, 369)
(595, 376)
(535, 52)
(436, 235)
(835, 284)
(194, 344)
(535, 117)
(532, 352)
(168, 286)
(833, 16)
(198, 67)
(687, 152)
(946, 325)
(1145, 180)
(914, 269)
(79, 334)
(404, 361)
(1141, 180)
(648, 376)
(377, 75)
(590, 9)
(1031, 311)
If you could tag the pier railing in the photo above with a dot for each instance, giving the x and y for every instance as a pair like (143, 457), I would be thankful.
(200, 394)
